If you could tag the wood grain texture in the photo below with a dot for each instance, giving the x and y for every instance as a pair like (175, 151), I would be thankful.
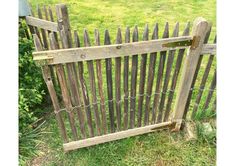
(100, 85)
(108, 63)
(114, 136)
(134, 71)
(91, 72)
(111, 51)
(196, 74)
(126, 84)
(44, 36)
(170, 59)
(52, 92)
(200, 28)
(52, 20)
(159, 78)
(118, 82)
(40, 23)
(35, 29)
(151, 71)
(142, 78)
(175, 75)
(84, 90)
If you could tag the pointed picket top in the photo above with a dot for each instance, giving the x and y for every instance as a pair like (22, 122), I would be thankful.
(166, 31)
(119, 36)
(186, 30)
(127, 35)
(146, 33)
(155, 32)
(86, 39)
(107, 38)
(135, 36)
(76, 39)
(97, 37)
(176, 30)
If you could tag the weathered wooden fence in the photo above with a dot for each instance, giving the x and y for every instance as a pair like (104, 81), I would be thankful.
(126, 88)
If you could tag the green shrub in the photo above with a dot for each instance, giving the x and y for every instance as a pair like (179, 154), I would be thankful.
(32, 92)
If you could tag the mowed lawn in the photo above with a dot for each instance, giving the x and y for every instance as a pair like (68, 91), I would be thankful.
(160, 148)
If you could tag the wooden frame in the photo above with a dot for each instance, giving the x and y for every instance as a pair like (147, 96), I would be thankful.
(107, 51)
(40, 23)
(61, 71)
(115, 136)
(201, 27)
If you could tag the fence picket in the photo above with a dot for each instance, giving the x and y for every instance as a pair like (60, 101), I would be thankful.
(142, 77)
(100, 85)
(44, 37)
(108, 63)
(203, 83)
(175, 76)
(125, 78)
(52, 20)
(170, 59)
(211, 91)
(118, 81)
(133, 81)
(84, 89)
(151, 71)
(159, 77)
(52, 92)
(91, 72)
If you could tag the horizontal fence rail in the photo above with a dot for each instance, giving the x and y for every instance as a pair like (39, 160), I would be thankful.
(112, 91)
(118, 50)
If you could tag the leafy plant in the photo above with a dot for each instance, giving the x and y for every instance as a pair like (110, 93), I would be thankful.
(31, 96)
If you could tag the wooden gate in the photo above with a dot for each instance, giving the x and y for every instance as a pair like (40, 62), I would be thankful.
(122, 90)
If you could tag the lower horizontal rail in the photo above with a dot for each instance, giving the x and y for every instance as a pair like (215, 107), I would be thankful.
(114, 136)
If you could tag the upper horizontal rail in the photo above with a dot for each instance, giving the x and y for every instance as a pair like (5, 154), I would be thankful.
(40, 23)
(110, 51)
(117, 50)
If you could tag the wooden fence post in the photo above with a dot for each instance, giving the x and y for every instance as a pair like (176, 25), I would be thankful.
(200, 28)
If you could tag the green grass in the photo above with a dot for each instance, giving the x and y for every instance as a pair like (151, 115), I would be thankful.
(160, 148)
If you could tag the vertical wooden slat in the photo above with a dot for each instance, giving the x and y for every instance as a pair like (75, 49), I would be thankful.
(35, 29)
(175, 75)
(44, 37)
(108, 63)
(134, 71)
(52, 19)
(118, 82)
(170, 60)
(214, 105)
(57, 47)
(66, 38)
(203, 83)
(200, 28)
(66, 99)
(91, 72)
(100, 85)
(84, 89)
(159, 77)
(77, 101)
(210, 93)
(142, 77)
(151, 71)
(52, 92)
(63, 23)
(125, 78)
(196, 74)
